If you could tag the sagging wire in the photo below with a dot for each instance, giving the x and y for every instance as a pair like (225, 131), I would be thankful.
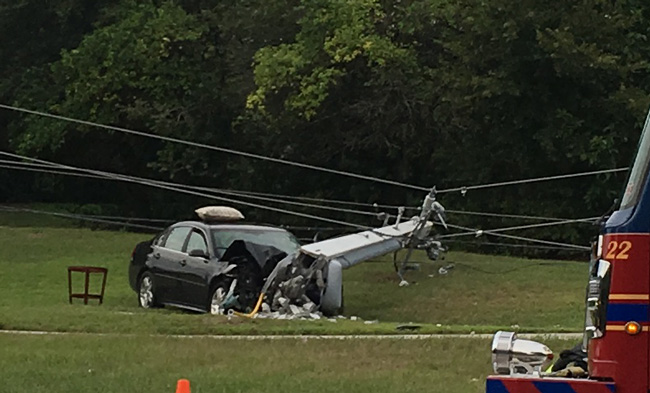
(279, 198)
(154, 183)
(504, 215)
(479, 232)
(19, 167)
(162, 185)
(160, 220)
(463, 189)
(80, 217)
(316, 229)
(215, 148)
(510, 245)
(219, 191)
(254, 193)
(585, 248)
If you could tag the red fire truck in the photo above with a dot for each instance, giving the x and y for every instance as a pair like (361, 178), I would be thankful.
(617, 323)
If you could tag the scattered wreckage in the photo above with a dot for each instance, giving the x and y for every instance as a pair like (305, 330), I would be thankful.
(308, 283)
(219, 266)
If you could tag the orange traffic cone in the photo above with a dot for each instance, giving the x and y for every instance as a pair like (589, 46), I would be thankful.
(183, 386)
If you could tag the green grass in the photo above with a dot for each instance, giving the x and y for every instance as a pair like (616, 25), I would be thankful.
(482, 294)
(80, 363)
(480, 290)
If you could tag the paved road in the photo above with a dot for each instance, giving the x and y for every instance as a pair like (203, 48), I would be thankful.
(539, 336)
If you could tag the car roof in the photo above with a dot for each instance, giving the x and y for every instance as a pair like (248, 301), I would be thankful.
(207, 226)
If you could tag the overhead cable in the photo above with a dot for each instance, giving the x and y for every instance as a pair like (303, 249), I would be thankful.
(533, 180)
(55, 172)
(504, 215)
(511, 245)
(128, 219)
(303, 165)
(585, 248)
(78, 217)
(265, 194)
(316, 229)
(216, 148)
(479, 232)
(154, 183)
(217, 190)
(18, 165)
(279, 197)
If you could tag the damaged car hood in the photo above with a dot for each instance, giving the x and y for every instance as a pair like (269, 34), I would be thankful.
(265, 257)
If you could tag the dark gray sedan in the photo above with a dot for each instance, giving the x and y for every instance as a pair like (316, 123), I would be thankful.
(207, 267)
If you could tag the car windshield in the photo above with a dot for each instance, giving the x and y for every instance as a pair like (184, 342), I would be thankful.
(278, 238)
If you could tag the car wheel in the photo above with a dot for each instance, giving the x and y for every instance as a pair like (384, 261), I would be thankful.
(217, 300)
(146, 297)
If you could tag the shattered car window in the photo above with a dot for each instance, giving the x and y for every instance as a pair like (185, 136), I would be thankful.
(282, 240)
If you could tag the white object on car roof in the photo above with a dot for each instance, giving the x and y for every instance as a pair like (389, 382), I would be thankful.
(219, 213)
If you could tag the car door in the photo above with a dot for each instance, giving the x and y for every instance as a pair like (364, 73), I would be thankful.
(196, 270)
(169, 260)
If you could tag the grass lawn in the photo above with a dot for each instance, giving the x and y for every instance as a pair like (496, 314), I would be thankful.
(482, 293)
(81, 363)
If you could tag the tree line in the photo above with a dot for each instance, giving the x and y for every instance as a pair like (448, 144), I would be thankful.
(426, 92)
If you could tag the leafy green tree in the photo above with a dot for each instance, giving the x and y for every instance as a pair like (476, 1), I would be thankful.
(474, 93)
(548, 89)
(178, 69)
(425, 92)
(349, 92)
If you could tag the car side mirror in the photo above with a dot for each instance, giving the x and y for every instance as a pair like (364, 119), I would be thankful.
(198, 253)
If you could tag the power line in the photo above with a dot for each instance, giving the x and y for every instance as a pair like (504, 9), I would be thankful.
(215, 148)
(317, 229)
(585, 248)
(127, 219)
(503, 215)
(510, 245)
(164, 185)
(250, 194)
(209, 189)
(37, 170)
(78, 217)
(302, 165)
(276, 200)
(154, 183)
(479, 232)
(533, 180)
(279, 197)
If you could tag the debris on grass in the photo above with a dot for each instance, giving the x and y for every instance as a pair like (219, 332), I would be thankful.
(409, 327)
